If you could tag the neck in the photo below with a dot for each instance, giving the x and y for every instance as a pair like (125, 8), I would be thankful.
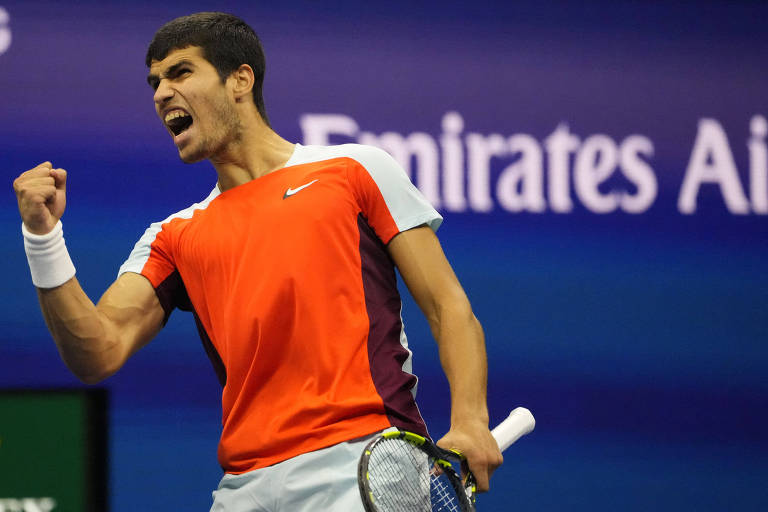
(258, 151)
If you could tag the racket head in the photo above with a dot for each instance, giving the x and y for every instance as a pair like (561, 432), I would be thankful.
(401, 471)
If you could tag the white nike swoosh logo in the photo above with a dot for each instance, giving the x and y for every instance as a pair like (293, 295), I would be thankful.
(292, 191)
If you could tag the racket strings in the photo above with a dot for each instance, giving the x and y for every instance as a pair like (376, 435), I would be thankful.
(403, 478)
(396, 477)
(443, 496)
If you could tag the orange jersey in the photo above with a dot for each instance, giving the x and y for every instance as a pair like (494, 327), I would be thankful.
(295, 298)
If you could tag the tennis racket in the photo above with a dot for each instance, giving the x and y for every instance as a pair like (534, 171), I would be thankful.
(404, 472)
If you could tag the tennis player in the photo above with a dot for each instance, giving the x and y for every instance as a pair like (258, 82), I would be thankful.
(288, 268)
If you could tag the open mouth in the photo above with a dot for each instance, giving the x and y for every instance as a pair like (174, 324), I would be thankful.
(178, 121)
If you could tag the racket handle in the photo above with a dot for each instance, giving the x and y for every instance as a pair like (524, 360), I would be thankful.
(519, 422)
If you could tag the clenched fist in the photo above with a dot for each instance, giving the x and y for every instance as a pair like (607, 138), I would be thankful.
(41, 193)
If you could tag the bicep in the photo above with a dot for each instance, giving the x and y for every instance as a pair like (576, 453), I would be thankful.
(132, 310)
(427, 273)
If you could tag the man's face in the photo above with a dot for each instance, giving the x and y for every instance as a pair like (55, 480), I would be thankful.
(193, 104)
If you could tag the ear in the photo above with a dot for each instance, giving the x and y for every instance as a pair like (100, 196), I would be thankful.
(241, 81)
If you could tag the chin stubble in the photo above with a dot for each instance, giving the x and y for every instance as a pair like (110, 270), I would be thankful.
(227, 131)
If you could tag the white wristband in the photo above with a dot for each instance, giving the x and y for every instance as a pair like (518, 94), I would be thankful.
(49, 261)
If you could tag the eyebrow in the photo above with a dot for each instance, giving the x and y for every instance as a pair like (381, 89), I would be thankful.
(154, 80)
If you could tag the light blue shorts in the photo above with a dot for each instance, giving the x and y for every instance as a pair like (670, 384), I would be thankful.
(321, 480)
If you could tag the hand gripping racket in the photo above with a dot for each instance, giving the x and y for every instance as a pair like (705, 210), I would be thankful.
(405, 472)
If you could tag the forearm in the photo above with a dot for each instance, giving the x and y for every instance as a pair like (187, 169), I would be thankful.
(80, 331)
(462, 354)
(94, 340)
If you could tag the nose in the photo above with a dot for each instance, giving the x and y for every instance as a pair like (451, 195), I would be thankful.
(163, 93)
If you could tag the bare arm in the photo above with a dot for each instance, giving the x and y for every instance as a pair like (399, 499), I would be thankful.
(96, 340)
(93, 340)
(434, 286)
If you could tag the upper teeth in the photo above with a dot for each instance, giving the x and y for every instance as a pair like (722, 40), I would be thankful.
(174, 114)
